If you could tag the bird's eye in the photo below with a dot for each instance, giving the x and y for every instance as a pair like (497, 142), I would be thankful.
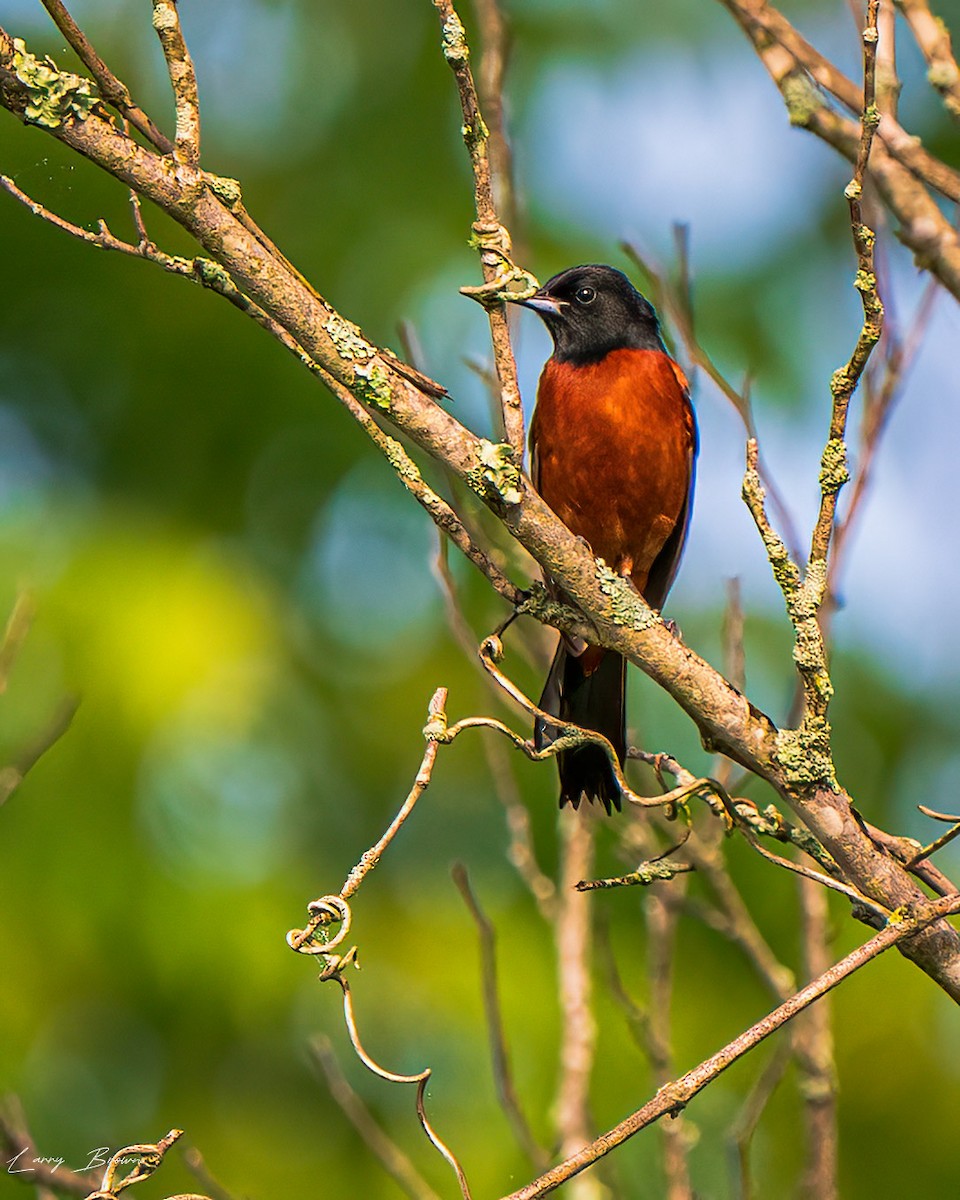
(586, 295)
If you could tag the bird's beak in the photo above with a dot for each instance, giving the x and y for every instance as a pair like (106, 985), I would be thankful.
(545, 305)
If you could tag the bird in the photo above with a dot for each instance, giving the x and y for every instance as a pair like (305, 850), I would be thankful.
(613, 447)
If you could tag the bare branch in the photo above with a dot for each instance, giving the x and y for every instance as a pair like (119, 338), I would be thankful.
(183, 79)
(574, 946)
(933, 38)
(676, 1096)
(330, 910)
(502, 1074)
(748, 1118)
(17, 628)
(661, 913)
(420, 784)
(813, 1047)
(833, 470)
(193, 1160)
(391, 1157)
(677, 305)
(495, 47)
(923, 226)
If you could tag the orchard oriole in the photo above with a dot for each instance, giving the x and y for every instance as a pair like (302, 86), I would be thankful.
(613, 444)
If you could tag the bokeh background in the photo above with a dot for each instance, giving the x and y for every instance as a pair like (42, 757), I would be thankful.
(242, 598)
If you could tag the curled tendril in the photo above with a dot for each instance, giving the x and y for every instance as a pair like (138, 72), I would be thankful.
(314, 939)
(148, 1156)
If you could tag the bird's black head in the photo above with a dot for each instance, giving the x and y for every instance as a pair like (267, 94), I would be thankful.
(593, 309)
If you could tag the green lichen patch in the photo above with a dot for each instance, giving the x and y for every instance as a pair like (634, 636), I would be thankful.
(834, 472)
(801, 97)
(347, 338)
(943, 75)
(401, 461)
(371, 384)
(212, 275)
(815, 585)
(225, 189)
(545, 607)
(497, 476)
(55, 96)
(627, 606)
(804, 753)
(865, 281)
(454, 41)
(164, 17)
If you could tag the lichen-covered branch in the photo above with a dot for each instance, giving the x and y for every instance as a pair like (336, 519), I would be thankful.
(895, 166)
(491, 236)
(804, 594)
(166, 21)
(933, 38)
(600, 605)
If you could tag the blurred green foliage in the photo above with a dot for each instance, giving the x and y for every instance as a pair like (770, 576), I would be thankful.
(241, 596)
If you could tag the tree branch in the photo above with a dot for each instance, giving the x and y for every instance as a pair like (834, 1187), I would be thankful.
(676, 1096)
(166, 21)
(210, 210)
(492, 237)
(111, 88)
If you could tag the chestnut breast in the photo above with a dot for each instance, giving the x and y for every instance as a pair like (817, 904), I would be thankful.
(612, 449)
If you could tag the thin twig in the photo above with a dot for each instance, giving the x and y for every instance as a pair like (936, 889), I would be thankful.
(492, 237)
(813, 1047)
(906, 850)
(329, 910)
(12, 775)
(677, 307)
(385, 1149)
(748, 1118)
(888, 83)
(937, 844)
(183, 79)
(521, 852)
(732, 918)
(734, 665)
(833, 472)
(419, 1079)
(111, 88)
(194, 1162)
(661, 914)
(676, 1096)
(502, 1074)
(14, 635)
(933, 38)
(494, 55)
(574, 946)
(420, 784)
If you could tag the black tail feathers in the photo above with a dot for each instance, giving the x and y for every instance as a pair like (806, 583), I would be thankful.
(593, 699)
